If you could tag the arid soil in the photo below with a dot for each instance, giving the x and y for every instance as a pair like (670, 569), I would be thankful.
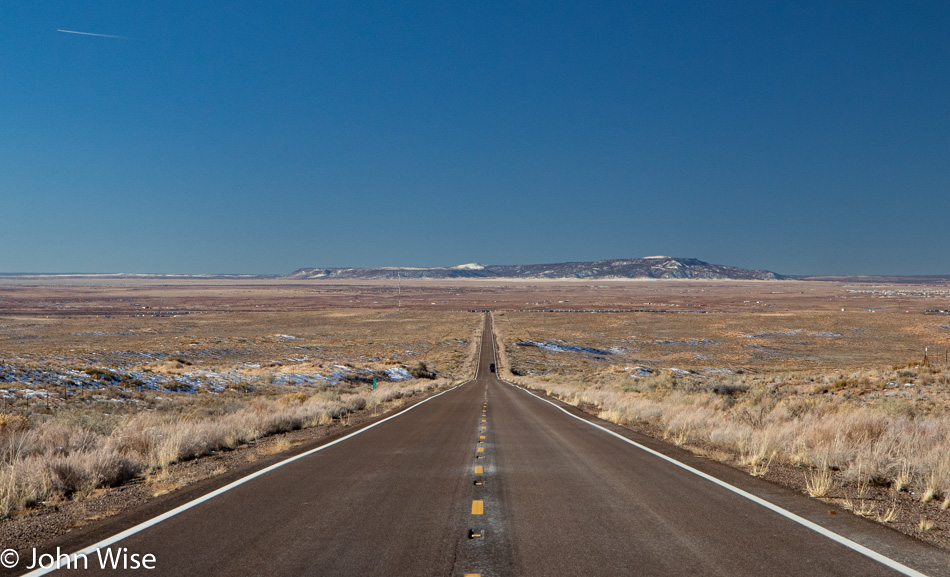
(192, 347)
(83, 297)
(833, 352)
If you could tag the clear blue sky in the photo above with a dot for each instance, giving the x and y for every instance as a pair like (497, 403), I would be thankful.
(232, 137)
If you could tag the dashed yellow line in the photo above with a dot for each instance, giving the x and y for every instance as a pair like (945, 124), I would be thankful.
(478, 506)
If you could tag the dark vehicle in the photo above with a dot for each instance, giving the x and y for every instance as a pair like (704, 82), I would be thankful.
(491, 368)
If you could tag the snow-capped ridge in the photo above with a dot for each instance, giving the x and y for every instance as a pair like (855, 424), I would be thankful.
(652, 267)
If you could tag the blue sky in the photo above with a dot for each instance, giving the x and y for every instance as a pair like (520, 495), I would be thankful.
(802, 137)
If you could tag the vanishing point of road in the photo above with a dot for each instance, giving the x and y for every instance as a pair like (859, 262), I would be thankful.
(488, 479)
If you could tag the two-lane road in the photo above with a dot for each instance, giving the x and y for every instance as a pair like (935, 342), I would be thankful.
(489, 479)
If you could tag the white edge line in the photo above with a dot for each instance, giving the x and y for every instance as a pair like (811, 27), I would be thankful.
(478, 357)
(899, 567)
(478, 360)
(181, 508)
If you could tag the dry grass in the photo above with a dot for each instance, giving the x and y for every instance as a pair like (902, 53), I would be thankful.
(758, 463)
(889, 515)
(162, 485)
(819, 483)
(276, 447)
(59, 461)
(867, 446)
(862, 427)
(228, 379)
(861, 507)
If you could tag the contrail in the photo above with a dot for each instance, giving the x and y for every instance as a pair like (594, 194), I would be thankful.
(93, 34)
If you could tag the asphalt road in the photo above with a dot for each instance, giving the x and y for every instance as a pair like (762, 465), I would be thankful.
(488, 479)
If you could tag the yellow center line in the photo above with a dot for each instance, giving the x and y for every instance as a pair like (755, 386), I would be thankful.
(478, 507)
(479, 470)
(482, 437)
(481, 449)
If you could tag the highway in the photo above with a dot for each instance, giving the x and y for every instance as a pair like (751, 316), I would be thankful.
(488, 479)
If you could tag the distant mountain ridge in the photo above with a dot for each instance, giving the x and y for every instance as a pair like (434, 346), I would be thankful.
(655, 267)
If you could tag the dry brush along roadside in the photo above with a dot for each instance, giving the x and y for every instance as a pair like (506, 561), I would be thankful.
(61, 476)
(892, 466)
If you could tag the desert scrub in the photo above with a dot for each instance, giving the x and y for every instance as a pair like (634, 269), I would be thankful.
(886, 426)
(422, 371)
(863, 444)
(56, 457)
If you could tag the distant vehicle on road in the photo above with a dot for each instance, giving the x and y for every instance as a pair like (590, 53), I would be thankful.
(491, 368)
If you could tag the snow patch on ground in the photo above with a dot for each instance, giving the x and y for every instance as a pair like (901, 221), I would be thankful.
(770, 334)
(559, 348)
(398, 374)
(690, 342)
(639, 372)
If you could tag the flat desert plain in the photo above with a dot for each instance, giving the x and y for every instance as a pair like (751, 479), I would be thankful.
(115, 391)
